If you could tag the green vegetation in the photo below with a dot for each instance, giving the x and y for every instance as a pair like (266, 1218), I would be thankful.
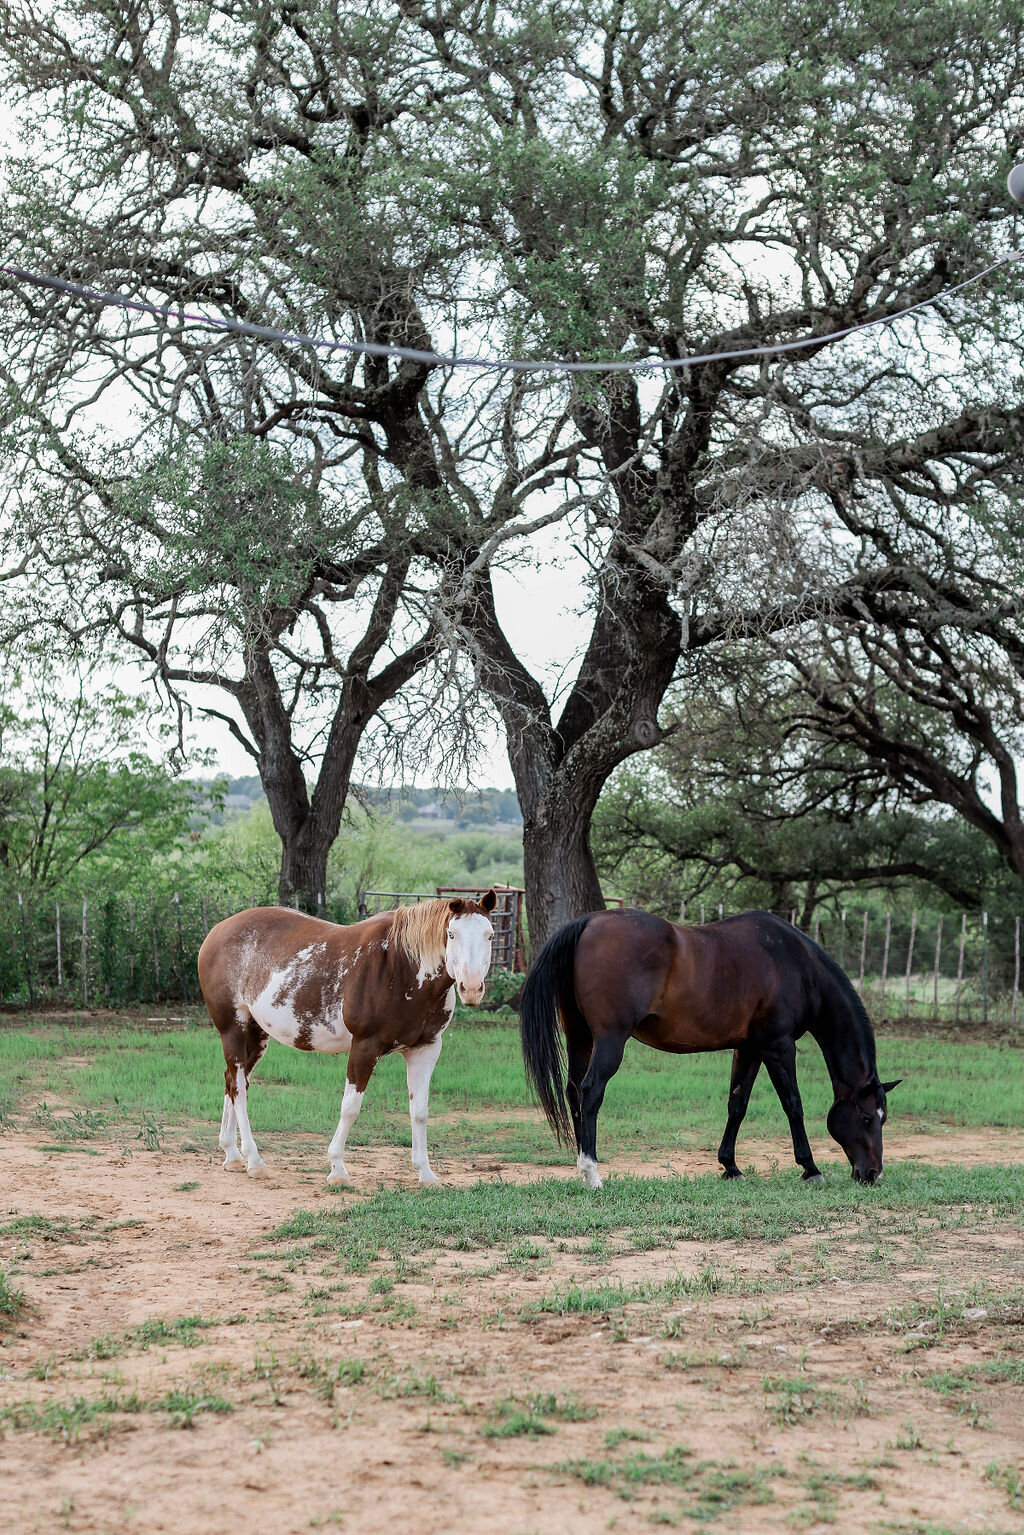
(653, 1212)
(656, 1104)
(12, 1302)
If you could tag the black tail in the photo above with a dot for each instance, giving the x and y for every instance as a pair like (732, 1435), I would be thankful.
(549, 992)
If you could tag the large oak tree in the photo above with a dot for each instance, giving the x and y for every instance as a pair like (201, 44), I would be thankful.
(617, 181)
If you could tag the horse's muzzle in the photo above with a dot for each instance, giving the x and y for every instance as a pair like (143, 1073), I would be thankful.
(869, 1175)
(472, 996)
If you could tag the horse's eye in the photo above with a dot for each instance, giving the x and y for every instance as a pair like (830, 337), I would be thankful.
(867, 1119)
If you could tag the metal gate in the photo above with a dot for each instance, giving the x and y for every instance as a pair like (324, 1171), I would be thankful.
(507, 918)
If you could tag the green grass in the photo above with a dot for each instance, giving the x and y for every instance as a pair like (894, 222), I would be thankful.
(656, 1103)
(12, 1302)
(654, 1212)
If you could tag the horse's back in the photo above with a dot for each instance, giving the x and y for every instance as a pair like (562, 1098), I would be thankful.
(281, 967)
(689, 989)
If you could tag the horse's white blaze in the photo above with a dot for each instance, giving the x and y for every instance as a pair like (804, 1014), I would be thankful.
(351, 1103)
(419, 1067)
(588, 1167)
(468, 954)
(274, 1008)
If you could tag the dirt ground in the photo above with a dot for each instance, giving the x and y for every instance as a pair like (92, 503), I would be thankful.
(793, 1396)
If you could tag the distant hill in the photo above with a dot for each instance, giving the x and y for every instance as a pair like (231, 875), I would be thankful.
(481, 807)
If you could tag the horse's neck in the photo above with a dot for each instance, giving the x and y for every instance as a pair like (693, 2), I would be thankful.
(845, 1040)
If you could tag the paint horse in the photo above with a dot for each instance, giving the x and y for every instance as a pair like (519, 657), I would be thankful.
(753, 984)
(388, 983)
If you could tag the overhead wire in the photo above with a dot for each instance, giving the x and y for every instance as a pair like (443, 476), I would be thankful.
(493, 364)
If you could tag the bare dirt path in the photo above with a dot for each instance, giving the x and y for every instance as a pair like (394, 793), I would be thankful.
(792, 1391)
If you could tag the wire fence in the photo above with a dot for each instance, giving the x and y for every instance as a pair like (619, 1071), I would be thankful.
(103, 951)
(958, 967)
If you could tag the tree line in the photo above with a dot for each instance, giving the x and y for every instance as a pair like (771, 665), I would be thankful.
(803, 571)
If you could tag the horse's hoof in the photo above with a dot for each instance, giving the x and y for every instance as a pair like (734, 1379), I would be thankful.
(731, 1172)
(429, 1180)
(338, 1180)
(234, 1164)
(814, 1177)
(258, 1170)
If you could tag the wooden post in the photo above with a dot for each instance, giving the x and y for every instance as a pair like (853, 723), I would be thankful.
(1016, 972)
(131, 948)
(885, 955)
(156, 950)
(842, 939)
(960, 963)
(984, 967)
(181, 949)
(85, 955)
(28, 955)
(910, 961)
(935, 984)
(702, 913)
(816, 928)
(863, 952)
(792, 917)
(60, 963)
(682, 911)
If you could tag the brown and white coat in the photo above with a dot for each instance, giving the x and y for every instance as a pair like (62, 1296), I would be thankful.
(388, 983)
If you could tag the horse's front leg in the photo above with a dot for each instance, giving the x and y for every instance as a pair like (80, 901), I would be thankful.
(419, 1067)
(781, 1064)
(746, 1063)
(363, 1057)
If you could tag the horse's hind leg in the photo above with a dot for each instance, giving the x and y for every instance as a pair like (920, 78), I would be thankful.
(604, 1063)
(363, 1057)
(244, 1044)
(746, 1063)
(781, 1064)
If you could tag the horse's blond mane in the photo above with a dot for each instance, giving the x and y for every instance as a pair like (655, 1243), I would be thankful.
(422, 931)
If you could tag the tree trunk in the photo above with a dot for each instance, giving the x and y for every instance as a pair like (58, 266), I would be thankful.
(561, 876)
(304, 867)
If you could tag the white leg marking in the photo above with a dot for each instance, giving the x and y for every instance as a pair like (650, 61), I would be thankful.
(419, 1067)
(228, 1138)
(351, 1103)
(254, 1163)
(588, 1167)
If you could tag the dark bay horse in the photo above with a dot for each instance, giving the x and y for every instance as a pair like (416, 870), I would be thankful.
(385, 984)
(752, 984)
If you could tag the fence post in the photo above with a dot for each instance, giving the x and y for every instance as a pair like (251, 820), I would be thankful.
(984, 967)
(938, 952)
(60, 963)
(863, 953)
(156, 947)
(682, 911)
(28, 955)
(885, 955)
(1016, 972)
(702, 913)
(960, 964)
(816, 929)
(181, 950)
(131, 948)
(842, 939)
(85, 955)
(910, 961)
(792, 916)
(361, 899)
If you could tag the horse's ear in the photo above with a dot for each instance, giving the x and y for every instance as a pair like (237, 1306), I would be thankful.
(489, 901)
(456, 907)
(887, 1087)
